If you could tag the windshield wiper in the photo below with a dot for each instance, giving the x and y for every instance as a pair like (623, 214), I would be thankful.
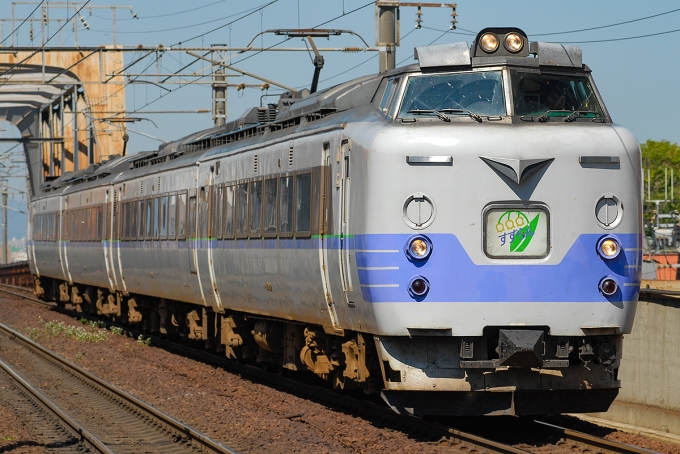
(441, 113)
(578, 114)
(545, 116)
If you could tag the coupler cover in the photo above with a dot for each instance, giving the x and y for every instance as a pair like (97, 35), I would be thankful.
(522, 348)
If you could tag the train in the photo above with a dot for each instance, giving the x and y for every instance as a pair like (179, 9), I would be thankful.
(461, 235)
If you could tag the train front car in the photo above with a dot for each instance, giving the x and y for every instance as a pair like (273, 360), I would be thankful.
(503, 231)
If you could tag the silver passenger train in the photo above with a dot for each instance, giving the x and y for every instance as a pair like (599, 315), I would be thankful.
(461, 235)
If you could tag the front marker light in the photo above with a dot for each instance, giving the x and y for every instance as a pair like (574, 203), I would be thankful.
(513, 42)
(489, 42)
(608, 247)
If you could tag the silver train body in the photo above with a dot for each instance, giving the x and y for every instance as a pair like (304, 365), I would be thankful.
(454, 234)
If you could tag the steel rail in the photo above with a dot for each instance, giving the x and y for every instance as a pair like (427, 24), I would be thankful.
(79, 431)
(582, 440)
(192, 435)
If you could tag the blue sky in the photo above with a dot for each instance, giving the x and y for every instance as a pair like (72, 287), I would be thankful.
(637, 77)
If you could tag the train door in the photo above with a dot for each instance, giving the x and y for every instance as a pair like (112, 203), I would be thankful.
(107, 237)
(342, 215)
(116, 234)
(67, 226)
(192, 238)
(204, 251)
(323, 250)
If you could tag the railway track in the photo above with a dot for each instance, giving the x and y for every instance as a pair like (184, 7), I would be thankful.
(107, 419)
(471, 441)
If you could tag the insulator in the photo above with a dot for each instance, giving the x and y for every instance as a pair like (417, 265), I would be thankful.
(241, 86)
(419, 18)
(352, 49)
(264, 86)
(453, 19)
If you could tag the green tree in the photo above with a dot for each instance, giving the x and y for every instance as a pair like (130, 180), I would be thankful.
(656, 157)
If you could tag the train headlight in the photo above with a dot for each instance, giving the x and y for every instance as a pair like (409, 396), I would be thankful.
(418, 247)
(513, 42)
(608, 247)
(608, 286)
(418, 286)
(489, 42)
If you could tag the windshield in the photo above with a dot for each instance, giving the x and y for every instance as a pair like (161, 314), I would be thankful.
(554, 95)
(478, 92)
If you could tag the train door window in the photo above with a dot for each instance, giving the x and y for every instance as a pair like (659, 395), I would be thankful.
(133, 217)
(140, 219)
(125, 217)
(286, 206)
(255, 208)
(241, 210)
(181, 215)
(100, 224)
(148, 219)
(156, 217)
(203, 219)
(270, 189)
(191, 218)
(303, 204)
(172, 216)
(164, 218)
(217, 206)
(229, 212)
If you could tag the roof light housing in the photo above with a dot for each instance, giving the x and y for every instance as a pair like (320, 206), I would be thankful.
(487, 43)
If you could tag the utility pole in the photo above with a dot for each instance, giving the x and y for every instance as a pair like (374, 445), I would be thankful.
(4, 255)
(387, 24)
(219, 87)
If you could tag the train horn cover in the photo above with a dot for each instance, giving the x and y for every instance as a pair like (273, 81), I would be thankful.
(501, 42)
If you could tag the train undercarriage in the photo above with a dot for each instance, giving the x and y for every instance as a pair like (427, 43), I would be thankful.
(416, 375)
(345, 362)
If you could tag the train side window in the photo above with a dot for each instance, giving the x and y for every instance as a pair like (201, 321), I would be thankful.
(148, 219)
(181, 215)
(229, 212)
(156, 217)
(164, 218)
(241, 210)
(303, 204)
(379, 93)
(286, 206)
(255, 208)
(270, 189)
(172, 216)
(393, 101)
(384, 103)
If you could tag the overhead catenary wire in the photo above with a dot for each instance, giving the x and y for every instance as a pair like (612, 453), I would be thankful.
(164, 15)
(22, 22)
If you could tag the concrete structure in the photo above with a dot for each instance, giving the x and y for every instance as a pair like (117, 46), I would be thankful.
(650, 368)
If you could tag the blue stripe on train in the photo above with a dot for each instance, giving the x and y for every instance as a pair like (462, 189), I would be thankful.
(384, 270)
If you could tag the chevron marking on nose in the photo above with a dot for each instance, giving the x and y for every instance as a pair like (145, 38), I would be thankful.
(516, 169)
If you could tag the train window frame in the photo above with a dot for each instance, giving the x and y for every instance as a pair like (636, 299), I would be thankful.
(148, 218)
(265, 205)
(139, 207)
(172, 214)
(291, 232)
(379, 93)
(257, 232)
(225, 222)
(296, 207)
(238, 233)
